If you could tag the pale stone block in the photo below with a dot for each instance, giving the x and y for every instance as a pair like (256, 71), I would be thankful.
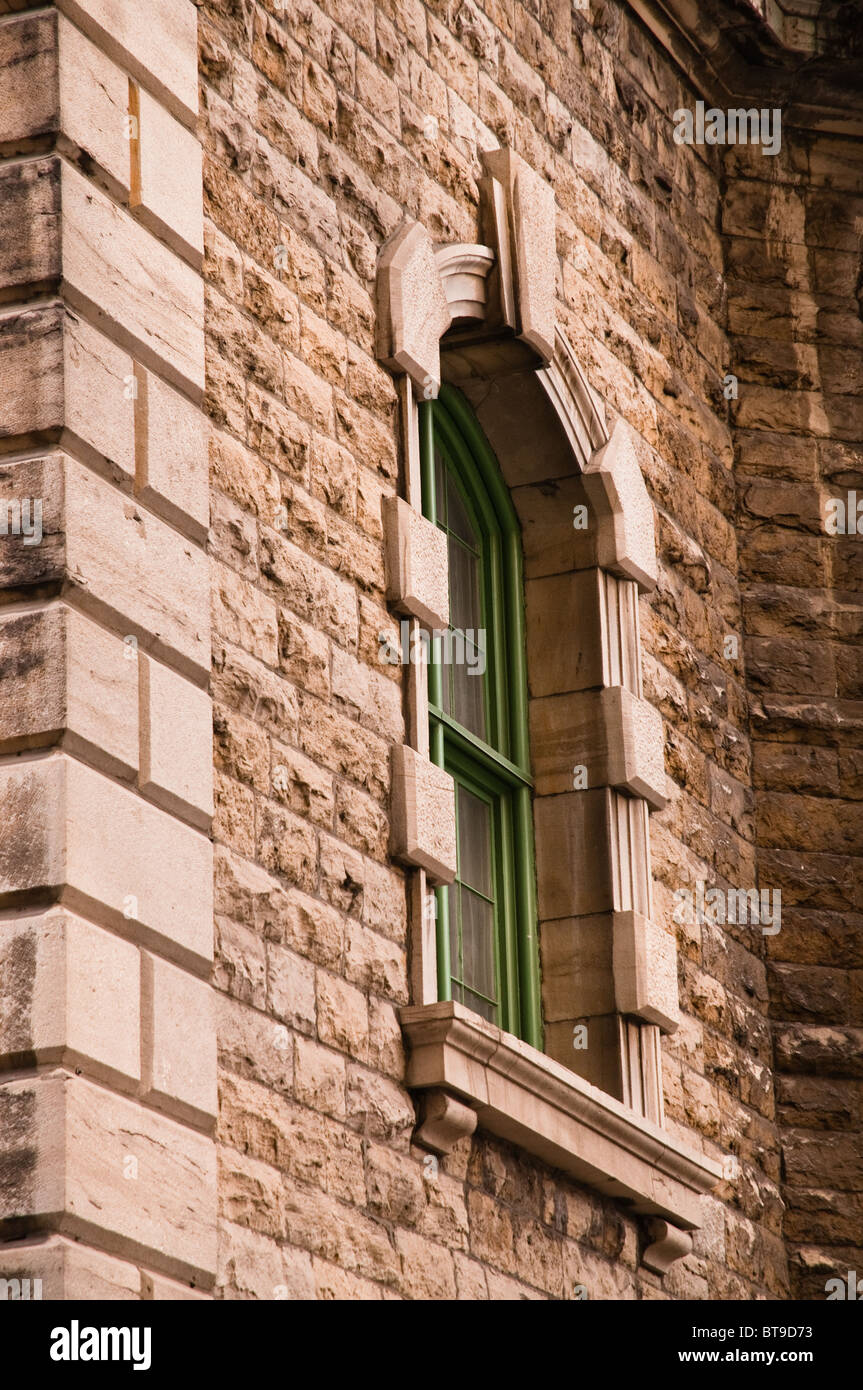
(31, 364)
(176, 478)
(636, 746)
(645, 970)
(171, 178)
(69, 991)
(68, 678)
(70, 827)
(624, 512)
(423, 814)
(179, 1041)
(60, 372)
(176, 742)
(157, 1289)
(135, 570)
(117, 270)
(157, 42)
(70, 1271)
(417, 565)
(532, 216)
(98, 394)
(81, 1154)
(413, 313)
(93, 102)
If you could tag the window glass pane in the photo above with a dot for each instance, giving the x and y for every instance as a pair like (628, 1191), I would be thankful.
(457, 518)
(465, 611)
(480, 1006)
(474, 842)
(454, 936)
(478, 943)
(468, 687)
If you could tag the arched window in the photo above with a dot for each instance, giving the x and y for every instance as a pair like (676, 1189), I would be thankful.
(486, 919)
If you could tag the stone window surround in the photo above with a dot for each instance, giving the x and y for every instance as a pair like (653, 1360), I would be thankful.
(496, 304)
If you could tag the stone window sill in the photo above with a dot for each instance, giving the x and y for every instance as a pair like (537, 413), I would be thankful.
(472, 1073)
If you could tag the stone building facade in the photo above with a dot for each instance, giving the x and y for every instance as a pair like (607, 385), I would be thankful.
(235, 238)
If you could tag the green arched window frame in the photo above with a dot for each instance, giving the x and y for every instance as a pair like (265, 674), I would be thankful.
(491, 767)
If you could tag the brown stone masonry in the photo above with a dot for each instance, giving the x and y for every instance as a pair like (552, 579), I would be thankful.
(219, 820)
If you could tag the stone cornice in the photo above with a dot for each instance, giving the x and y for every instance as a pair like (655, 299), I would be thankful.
(797, 58)
(521, 1095)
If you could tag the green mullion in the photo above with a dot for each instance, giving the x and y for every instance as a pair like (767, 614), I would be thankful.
(508, 924)
(506, 779)
(469, 743)
(528, 946)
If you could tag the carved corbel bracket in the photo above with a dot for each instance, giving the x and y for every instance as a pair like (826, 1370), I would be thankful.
(669, 1244)
(443, 1121)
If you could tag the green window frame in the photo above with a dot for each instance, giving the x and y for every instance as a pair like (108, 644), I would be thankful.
(487, 955)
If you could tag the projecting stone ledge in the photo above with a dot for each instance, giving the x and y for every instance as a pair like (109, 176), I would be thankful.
(527, 1098)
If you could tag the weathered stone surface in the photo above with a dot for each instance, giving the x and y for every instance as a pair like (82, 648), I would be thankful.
(110, 1144)
(71, 993)
(70, 828)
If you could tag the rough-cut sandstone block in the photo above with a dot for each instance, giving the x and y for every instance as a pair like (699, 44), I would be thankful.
(70, 828)
(176, 742)
(416, 560)
(623, 510)
(423, 815)
(157, 42)
(531, 215)
(68, 678)
(70, 1270)
(102, 1163)
(69, 991)
(179, 1041)
(645, 970)
(413, 313)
